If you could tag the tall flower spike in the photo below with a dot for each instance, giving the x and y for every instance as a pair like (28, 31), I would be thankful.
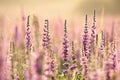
(28, 37)
(65, 50)
(28, 49)
(65, 28)
(86, 40)
(93, 34)
(102, 41)
(101, 50)
(49, 68)
(46, 35)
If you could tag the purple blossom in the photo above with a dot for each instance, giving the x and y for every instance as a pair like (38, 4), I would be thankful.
(46, 36)
(28, 37)
(65, 50)
(28, 49)
(49, 71)
(86, 40)
(93, 35)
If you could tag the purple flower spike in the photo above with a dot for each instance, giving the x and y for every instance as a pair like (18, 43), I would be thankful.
(86, 40)
(46, 36)
(28, 49)
(50, 65)
(28, 37)
(93, 35)
(65, 50)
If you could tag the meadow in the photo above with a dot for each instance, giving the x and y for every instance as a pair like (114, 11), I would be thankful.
(33, 48)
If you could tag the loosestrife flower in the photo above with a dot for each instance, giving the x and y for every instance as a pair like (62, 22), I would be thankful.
(65, 50)
(28, 37)
(86, 40)
(49, 68)
(93, 35)
(28, 50)
(46, 36)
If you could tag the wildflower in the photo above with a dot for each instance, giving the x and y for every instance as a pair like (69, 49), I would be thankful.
(28, 38)
(93, 35)
(46, 35)
(49, 68)
(28, 49)
(65, 50)
(86, 40)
